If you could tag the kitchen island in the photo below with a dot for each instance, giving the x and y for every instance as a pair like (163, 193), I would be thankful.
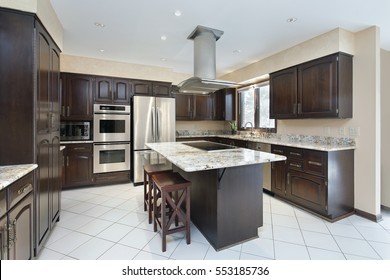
(226, 191)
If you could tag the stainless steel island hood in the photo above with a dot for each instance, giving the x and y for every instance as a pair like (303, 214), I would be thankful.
(204, 81)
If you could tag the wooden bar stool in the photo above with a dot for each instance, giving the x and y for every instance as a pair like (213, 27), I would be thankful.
(168, 186)
(149, 171)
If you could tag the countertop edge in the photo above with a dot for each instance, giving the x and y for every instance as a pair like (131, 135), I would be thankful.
(11, 173)
(311, 146)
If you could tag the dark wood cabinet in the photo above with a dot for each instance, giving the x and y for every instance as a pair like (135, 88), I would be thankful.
(17, 220)
(162, 89)
(155, 88)
(194, 107)
(203, 107)
(112, 90)
(278, 173)
(319, 181)
(30, 102)
(78, 165)
(48, 185)
(224, 104)
(3, 238)
(77, 100)
(283, 94)
(321, 88)
(184, 107)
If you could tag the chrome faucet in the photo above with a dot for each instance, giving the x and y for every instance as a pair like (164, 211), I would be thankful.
(251, 127)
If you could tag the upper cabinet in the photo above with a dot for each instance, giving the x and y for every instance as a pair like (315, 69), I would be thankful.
(112, 90)
(220, 105)
(224, 104)
(76, 97)
(154, 88)
(321, 88)
(194, 107)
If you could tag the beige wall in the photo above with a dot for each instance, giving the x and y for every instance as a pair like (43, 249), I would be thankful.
(385, 101)
(364, 46)
(45, 13)
(76, 64)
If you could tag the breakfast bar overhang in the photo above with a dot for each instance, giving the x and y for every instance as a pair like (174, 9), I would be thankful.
(226, 191)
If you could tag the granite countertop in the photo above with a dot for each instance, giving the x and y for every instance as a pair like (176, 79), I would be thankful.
(192, 159)
(11, 173)
(327, 144)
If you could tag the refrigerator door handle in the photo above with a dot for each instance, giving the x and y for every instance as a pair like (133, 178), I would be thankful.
(157, 124)
(153, 119)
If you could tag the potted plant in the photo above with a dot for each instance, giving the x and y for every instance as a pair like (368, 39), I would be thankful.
(233, 127)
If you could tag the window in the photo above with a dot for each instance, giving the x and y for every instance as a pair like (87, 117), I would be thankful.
(254, 108)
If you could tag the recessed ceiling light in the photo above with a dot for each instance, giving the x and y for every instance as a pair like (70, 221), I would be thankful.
(163, 37)
(101, 50)
(291, 19)
(163, 59)
(237, 51)
(99, 24)
(177, 13)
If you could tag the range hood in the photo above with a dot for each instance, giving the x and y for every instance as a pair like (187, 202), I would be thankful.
(204, 81)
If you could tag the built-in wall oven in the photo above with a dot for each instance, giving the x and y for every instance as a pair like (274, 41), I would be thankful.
(111, 149)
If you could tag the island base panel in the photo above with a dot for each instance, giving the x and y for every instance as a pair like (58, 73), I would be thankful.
(227, 204)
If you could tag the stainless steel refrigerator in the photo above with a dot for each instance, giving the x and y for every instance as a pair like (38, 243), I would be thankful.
(153, 121)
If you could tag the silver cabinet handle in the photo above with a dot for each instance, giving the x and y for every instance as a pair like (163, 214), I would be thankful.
(315, 163)
(295, 154)
(67, 161)
(278, 151)
(295, 165)
(24, 189)
(288, 178)
(63, 111)
(67, 111)
(79, 148)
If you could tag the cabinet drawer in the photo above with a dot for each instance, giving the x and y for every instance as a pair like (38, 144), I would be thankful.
(295, 153)
(74, 148)
(21, 188)
(295, 165)
(278, 150)
(3, 203)
(315, 162)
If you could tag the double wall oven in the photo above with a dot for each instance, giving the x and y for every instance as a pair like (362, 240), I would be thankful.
(111, 139)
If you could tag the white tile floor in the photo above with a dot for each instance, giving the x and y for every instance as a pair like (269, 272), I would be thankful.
(109, 223)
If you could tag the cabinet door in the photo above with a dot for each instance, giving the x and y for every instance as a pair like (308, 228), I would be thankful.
(43, 83)
(77, 96)
(103, 90)
(278, 172)
(317, 88)
(161, 89)
(307, 190)
(224, 104)
(122, 91)
(203, 107)
(283, 94)
(21, 230)
(3, 238)
(141, 87)
(79, 165)
(278, 178)
(184, 105)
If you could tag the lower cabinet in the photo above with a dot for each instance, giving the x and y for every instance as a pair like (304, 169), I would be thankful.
(78, 165)
(17, 222)
(319, 181)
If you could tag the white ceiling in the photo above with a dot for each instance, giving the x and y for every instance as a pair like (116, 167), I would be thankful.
(258, 28)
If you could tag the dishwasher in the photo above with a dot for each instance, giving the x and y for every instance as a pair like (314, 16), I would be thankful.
(262, 147)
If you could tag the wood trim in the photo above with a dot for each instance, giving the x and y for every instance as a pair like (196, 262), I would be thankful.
(369, 216)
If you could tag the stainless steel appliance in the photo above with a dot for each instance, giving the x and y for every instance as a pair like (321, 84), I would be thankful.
(111, 123)
(111, 157)
(75, 131)
(111, 139)
(153, 121)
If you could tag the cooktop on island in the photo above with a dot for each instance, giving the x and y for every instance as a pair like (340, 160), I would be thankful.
(209, 146)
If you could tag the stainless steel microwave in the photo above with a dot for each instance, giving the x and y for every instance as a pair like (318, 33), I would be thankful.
(74, 131)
